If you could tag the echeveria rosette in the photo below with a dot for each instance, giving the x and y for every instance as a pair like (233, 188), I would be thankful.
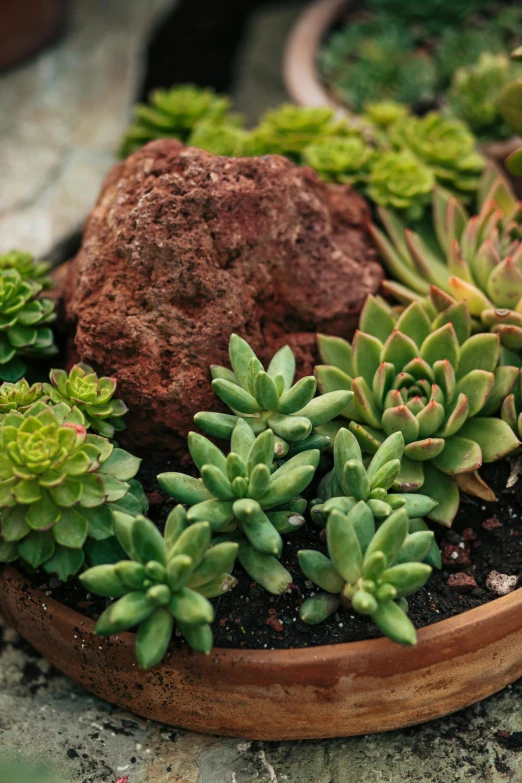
(368, 571)
(58, 488)
(355, 479)
(175, 112)
(289, 129)
(24, 324)
(473, 259)
(343, 159)
(433, 382)
(167, 582)
(384, 113)
(221, 139)
(27, 266)
(20, 396)
(92, 395)
(270, 400)
(240, 495)
(444, 144)
(400, 181)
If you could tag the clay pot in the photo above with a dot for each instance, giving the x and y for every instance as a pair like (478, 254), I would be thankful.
(26, 26)
(335, 690)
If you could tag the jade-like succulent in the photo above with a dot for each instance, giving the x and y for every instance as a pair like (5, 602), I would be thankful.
(93, 396)
(400, 181)
(431, 381)
(58, 487)
(384, 113)
(446, 145)
(221, 139)
(167, 581)
(343, 159)
(19, 396)
(475, 91)
(511, 411)
(270, 399)
(239, 492)
(174, 113)
(289, 129)
(474, 259)
(24, 323)
(368, 571)
(28, 267)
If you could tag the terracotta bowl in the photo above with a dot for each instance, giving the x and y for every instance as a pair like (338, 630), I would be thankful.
(331, 691)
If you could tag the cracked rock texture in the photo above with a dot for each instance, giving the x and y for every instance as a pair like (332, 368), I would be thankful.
(45, 716)
(183, 248)
(63, 116)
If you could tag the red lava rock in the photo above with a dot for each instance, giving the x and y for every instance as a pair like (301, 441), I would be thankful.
(461, 582)
(275, 624)
(183, 248)
(491, 524)
(454, 556)
(468, 534)
(501, 584)
(154, 498)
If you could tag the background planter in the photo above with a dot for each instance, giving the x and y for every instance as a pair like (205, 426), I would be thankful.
(26, 26)
(335, 690)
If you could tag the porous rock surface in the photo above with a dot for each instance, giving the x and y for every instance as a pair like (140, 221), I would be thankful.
(183, 248)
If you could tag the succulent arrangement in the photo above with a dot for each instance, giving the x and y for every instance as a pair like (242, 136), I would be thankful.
(402, 182)
(168, 580)
(473, 259)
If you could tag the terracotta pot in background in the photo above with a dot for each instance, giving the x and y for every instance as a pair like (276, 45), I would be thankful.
(26, 26)
(313, 692)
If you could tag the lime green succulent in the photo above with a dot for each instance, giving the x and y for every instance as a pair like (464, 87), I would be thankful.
(400, 181)
(343, 159)
(58, 487)
(384, 113)
(24, 324)
(511, 411)
(93, 396)
(240, 495)
(19, 396)
(175, 112)
(431, 381)
(270, 400)
(368, 571)
(289, 129)
(473, 259)
(167, 581)
(27, 266)
(227, 140)
(446, 145)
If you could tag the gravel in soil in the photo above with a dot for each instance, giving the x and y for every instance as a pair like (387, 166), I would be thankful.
(484, 537)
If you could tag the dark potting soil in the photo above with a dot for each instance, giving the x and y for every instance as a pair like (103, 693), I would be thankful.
(485, 537)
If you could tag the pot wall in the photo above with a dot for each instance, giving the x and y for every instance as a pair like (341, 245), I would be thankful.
(335, 690)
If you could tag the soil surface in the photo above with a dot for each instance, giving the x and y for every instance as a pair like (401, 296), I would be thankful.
(485, 537)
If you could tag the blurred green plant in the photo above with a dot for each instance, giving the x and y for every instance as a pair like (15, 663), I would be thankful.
(401, 181)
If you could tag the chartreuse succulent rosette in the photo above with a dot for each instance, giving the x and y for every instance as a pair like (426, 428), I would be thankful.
(434, 383)
(289, 129)
(400, 181)
(511, 410)
(344, 159)
(368, 571)
(270, 400)
(354, 479)
(474, 259)
(239, 495)
(93, 396)
(167, 582)
(24, 323)
(58, 487)
(27, 266)
(20, 396)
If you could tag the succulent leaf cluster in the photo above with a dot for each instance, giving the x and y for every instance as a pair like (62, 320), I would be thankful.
(167, 581)
(289, 129)
(344, 159)
(24, 323)
(369, 571)
(58, 487)
(19, 396)
(400, 181)
(431, 381)
(224, 139)
(511, 410)
(473, 259)
(27, 266)
(270, 400)
(175, 112)
(93, 396)
(239, 494)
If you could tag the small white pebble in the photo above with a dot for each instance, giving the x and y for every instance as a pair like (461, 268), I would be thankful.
(454, 555)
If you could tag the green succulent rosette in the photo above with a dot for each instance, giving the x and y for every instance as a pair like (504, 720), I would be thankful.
(92, 395)
(24, 324)
(58, 488)
(343, 159)
(355, 479)
(174, 113)
(289, 129)
(400, 181)
(368, 571)
(226, 140)
(473, 259)
(167, 582)
(240, 496)
(444, 144)
(20, 396)
(27, 266)
(270, 400)
(434, 383)
(511, 410)
(384, 113)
